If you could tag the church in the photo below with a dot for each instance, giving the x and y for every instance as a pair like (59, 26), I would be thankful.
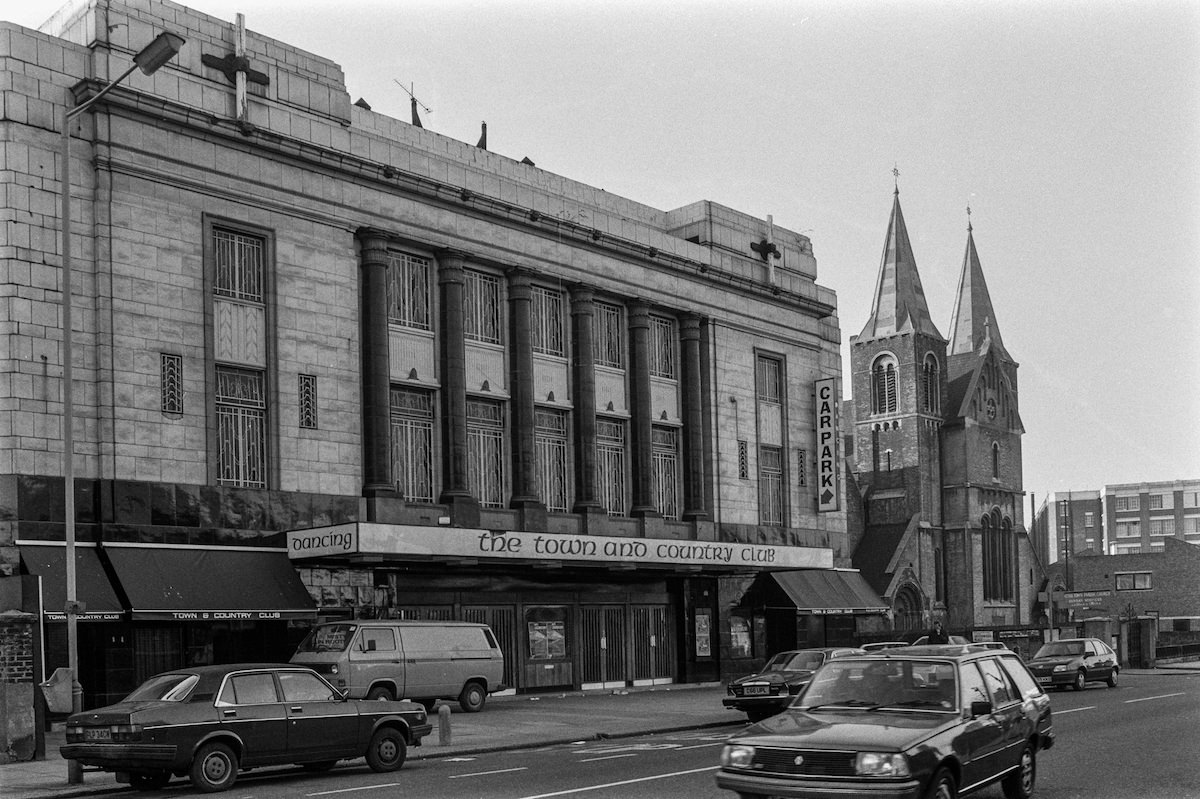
(932, 432)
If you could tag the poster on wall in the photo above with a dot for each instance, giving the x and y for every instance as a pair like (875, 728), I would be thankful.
(703, 634)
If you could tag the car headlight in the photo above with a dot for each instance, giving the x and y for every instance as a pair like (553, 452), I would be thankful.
(881, 764)
(737, 756)
(1061, 668)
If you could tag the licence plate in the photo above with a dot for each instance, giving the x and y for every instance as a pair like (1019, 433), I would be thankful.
(1045, 680)
(756, 690)
(97, 735)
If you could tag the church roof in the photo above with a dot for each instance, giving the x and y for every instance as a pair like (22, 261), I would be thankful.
(974, 320)
(899, 304)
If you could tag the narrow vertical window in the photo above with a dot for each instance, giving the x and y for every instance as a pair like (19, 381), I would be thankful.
(547, 321)
(482, 308)
(241, 428)
(662, 347)
(239, 259)
(408, 290)
(307, 395)
(610, 465)
(171, 383)
(883, 386)
(770, 485)
(485, 452)
(930, 385)
(768, 380)
(412, 443)
(995, 461)
(550, 438)
(609, 338)
(665, 467)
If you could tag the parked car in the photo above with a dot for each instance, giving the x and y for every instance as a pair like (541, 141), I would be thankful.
(875, 646)
(1075, 662)
(419, 660)
(772, 689)
(899, 724)
(209, 722)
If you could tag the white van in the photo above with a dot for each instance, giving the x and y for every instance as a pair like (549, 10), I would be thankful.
(419, 660)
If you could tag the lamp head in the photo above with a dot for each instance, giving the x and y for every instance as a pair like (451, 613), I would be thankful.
(164, 47)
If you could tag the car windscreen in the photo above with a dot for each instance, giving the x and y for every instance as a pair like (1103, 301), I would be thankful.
(164, 688)
(328, 638)
(894, 683)
(1057, 649)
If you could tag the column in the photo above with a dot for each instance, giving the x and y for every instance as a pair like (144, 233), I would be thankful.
(640, 407)
(520, 359)
(583, 377)
(691, 389)
(456, 492)
(376, 371)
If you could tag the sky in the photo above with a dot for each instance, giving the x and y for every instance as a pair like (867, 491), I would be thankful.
(1071, 129)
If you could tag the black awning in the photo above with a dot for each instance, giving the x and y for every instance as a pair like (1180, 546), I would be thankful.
(92, 586)
(830, 592)
(197, 584)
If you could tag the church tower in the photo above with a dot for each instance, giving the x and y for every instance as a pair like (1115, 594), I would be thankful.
(898, 365)
(986, 541)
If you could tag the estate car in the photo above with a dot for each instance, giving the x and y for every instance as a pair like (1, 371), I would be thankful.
(935, 722)
(209, 722)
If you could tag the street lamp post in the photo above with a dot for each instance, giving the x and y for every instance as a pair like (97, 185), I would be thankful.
(154, 55)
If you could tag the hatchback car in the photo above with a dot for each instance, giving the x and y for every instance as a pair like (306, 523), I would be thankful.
(1075, 662)
(773, 688)
(209, 722)
(902, 723)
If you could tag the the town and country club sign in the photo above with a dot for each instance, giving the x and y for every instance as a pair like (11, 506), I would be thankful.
(366, 538)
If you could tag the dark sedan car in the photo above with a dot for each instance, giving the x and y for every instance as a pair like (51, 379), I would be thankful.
(936, 722)
(1075, 662)
(210, 721)
(772, 689)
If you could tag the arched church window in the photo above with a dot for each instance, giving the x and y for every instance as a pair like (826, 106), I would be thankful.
(997, 545)
(995, 460)
(883, 385)
(930, 391)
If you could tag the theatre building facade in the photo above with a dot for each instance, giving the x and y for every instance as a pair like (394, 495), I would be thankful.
(334, 365)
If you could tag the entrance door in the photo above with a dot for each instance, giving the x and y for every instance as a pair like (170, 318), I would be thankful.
(503, 621)
(602, 646)
(652, 645)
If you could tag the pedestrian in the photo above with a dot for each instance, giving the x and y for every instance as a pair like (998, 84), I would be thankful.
(937, 635)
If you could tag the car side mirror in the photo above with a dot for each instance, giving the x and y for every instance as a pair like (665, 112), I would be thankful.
(980, 708)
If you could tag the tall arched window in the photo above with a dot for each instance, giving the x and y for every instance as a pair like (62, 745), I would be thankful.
(995, 460)
(997, 557)
(883, 385)
(931, 396)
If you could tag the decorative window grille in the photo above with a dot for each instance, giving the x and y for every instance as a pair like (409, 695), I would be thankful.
(768, 381)
(931, 394)
(547, 317)
(662, 347)
(609, 338)
(240, 265)
(610, 465)
(550, 437)
(241, 428)
(482, 308)
(307, 394)
(743, 460)
(408, 291)
(485, 452)
(665, 471)
(770, 485)
(801, 468)
(883, 386)
(171, 384)
(412, 443)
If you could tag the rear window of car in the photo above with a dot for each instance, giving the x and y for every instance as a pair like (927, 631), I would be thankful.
(999, 689)
(165, 688)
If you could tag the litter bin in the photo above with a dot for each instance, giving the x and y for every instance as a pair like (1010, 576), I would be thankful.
(57, 691)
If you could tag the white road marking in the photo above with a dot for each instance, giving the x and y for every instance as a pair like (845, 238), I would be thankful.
(701, 746)
(360, 788)
(622, 782)
(485, 773)
(607, 757)
(1073, 710)
(1148, 698)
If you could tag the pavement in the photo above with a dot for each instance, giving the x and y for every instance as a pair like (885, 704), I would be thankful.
(506, 722)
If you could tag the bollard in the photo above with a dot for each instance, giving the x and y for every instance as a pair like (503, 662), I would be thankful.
(443, 712)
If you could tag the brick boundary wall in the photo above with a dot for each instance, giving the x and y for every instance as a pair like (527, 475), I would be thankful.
(17, 730)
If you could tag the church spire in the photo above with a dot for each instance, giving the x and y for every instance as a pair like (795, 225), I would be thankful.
(899, 304)
(974, 320)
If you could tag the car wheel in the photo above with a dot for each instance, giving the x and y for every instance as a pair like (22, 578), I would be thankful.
(1112, 678)
(380, 692)
(387, 750)
(214, 768)
(1019, 784)
(472, 697)
(1080, 680)
(428, 704)
(323, 765)
(942, 786)
(149, 780)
